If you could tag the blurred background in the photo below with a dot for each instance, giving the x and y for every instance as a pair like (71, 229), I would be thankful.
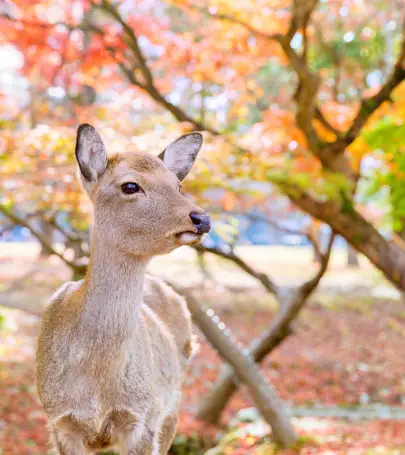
(302, 107)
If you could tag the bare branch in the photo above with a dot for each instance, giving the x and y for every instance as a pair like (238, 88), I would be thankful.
(17, 220)
(269, 221)
(276, 225)
(74, 237)
(230, 255)
(310, 285)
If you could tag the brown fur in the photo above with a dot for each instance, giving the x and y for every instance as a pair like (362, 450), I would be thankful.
(113, 347)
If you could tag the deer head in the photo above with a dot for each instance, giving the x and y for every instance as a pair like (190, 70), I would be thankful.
(138, 206)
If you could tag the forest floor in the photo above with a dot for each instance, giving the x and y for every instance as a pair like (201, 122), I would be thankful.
(346, 350)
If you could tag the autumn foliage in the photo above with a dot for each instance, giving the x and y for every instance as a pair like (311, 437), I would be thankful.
(298, 100)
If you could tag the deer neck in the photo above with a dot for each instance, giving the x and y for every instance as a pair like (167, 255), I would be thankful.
(114, 284)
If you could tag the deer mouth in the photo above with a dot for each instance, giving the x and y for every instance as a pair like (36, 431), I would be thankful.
(189, 237)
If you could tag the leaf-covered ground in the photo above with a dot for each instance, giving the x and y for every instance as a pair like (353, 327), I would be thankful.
(344, 351)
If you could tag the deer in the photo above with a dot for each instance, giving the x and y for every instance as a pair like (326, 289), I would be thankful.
(114, 347)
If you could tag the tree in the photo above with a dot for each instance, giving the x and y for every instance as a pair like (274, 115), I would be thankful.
(301, 84)
(45, 159)
(290, 300)
(316, 160)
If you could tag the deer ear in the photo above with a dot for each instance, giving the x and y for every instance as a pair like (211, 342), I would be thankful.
(179, 156)
(91, 154)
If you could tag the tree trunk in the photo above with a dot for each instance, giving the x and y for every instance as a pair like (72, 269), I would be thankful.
(263, 394)
(226, 385)
(352, 257)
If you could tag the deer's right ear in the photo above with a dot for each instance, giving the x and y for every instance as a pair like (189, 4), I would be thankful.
(91, 154)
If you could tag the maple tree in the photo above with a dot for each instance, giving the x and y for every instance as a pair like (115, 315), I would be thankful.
(301, 131)
(295, 93)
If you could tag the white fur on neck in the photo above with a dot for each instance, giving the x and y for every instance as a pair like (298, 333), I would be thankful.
(115, 284)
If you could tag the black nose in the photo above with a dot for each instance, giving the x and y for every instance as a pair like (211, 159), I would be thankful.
(201, 221)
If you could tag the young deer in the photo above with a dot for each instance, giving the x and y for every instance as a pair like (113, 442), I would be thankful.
(113, 347)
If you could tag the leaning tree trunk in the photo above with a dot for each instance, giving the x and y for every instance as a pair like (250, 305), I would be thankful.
(291, 303)
(263, 394)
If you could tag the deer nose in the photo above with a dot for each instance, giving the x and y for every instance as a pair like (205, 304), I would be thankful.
(201, 221)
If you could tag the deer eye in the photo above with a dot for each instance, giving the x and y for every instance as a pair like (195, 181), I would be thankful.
(130, 188)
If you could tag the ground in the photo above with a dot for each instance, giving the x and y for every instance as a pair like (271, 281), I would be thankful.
(345, 351)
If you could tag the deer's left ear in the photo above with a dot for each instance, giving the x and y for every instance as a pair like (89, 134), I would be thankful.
(179, 156)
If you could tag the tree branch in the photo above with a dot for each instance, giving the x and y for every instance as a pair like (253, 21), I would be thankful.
(370, 105)
(74, 237)
(231, 256)
(310, 285)
(231, 19)
(149, 86)
(17, 220)
(269, 221)
(132, 42)
(322, 120)
(262, 392)
(308, 83)
(281, 326)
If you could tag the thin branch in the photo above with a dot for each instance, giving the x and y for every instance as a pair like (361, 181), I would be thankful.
(263, 278)
(310, 285)
(247, 26)
(322, 120)
(175, 110)
(74, 237)
(282, 228)
(276, 225)
(133, 43)
(370, 105)
(150, 88)
(268, 221)
(41, 238)
(40, 24)
(230, 255)
(231, 19)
